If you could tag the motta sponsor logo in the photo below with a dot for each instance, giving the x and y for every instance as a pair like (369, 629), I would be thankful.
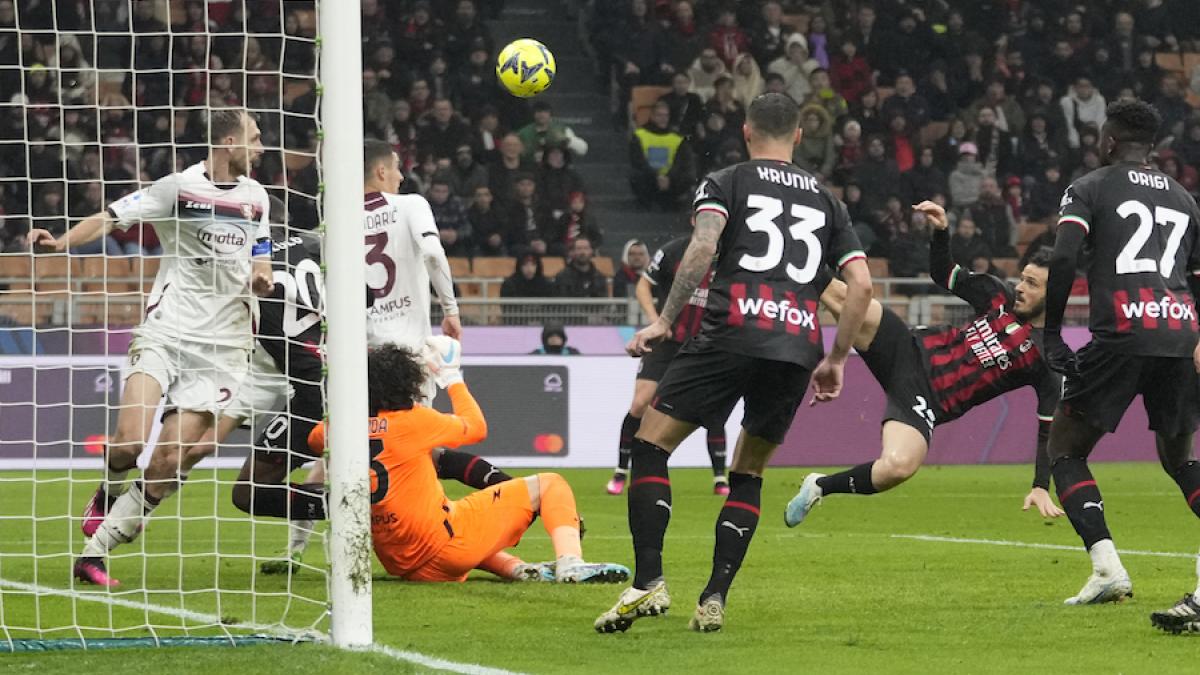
(783, 312)
(1164, 308)
(222, 238)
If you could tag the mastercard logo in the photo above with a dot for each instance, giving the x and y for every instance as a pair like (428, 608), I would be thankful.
(94, 444)
(548, 444)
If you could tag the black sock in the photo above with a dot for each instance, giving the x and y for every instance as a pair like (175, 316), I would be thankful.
(1188, 479)
(629, 428)
(716, 451)
(1080, 498)
(470, 470)
(649, 510)
(295, 501)
(735, 528)
(856, 480)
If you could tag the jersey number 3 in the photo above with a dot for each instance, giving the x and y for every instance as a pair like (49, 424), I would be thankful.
(1127, 260)
(807, 222)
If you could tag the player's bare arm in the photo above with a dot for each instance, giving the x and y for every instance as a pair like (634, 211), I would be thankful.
(692, 269)
(89, 229)
(827, 378)
(262, 279)
(834, 300)
(1070, 238)
(645, 299)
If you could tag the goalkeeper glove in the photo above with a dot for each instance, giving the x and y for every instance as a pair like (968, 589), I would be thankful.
(443, 358)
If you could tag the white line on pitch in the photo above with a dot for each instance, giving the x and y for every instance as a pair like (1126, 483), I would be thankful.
(436, 663)
(1027, 544)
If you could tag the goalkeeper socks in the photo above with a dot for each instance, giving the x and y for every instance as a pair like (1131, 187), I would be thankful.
(716, 451)
(856, 480)
(629, 428)
(559, 515)
(122, 524)
(1187, 477)
(468, 469)
(1080, 498)
(735, 528)
(649, 510)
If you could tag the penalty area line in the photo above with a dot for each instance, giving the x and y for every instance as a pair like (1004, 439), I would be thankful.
(1028, 544)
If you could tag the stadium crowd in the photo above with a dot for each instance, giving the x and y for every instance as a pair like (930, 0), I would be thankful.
(989, 107)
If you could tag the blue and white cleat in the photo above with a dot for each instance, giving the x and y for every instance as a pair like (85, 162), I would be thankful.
(809, 496)
(579, 572)
(1114, 587)
(537, 572)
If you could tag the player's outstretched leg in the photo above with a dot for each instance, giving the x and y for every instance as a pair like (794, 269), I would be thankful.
(716, 455)
(139, 402)
(1175, 453)
(904, 450)
(470, 470)
(555, 502)
(629, 427)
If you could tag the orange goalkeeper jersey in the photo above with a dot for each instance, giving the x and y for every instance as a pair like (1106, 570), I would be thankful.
(409, 510)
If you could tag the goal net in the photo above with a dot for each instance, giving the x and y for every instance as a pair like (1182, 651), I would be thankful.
(100, 99)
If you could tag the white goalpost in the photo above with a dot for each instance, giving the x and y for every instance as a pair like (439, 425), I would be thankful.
(98, 104)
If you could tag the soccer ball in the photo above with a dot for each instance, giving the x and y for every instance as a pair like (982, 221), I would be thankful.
(525, 68)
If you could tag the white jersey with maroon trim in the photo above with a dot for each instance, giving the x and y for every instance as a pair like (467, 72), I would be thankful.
(208, 234)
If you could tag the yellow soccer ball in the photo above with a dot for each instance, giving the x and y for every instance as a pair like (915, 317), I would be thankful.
(525, 68)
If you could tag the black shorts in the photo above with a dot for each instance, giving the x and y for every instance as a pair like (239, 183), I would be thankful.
(897, 364)
(285, 436)
(654, 364)
(1108, 380)
(701, 387)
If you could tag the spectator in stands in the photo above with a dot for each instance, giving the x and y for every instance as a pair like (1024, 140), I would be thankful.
(769, 38)
(818, 40)
(946, 151)
(572, 224)
(815, 152)
(724, 103)
(1172, 104)
(442, 131)
(554, 341)
(544, 132)
(995, 219)
(935, 89)
(795, 68)
(12, 234)
(850, 150)
(525, 220)
(466, 174)
(877, 175)
(1188, 145)
(849, 72)
(580, 278)
(454, 228)
(1010, 118)
(966, 244)
(747, 79)
(984, 265)
(684, 40)
(995, 146)
(662, 162)
(420, 99)
(1046, 193)
(464, 32)
(924, 180)
(687, 109)
(485, 136)
(528, 281)
(907, 102)
(727, 37)
(967, 177)
(1083, 105)
(557, 180)
(865, 34)
(901, 143)
(910, 250)
(775, 84)
(439, 78)
(486, 226)
(705, 71)
(824, 95)
(474, 81)
(641, 54)
(1038, 148)
(502, 175)
(868, 112)
(1168, 162)
(635, 258)
(419, 36)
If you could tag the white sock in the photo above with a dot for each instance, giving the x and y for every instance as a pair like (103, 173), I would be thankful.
(1197, 593)
(1105, 560)
(122, 524)
(565, 562)
(301, 531)
(173, 486)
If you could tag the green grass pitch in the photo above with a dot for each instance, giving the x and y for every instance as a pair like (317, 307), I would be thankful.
(842, 593)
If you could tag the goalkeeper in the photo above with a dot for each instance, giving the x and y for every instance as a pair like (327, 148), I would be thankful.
(420, 535)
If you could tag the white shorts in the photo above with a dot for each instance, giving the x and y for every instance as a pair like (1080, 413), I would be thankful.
(193, 376)
(265, 391)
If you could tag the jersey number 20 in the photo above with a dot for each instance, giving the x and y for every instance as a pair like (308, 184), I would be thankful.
(1127, 260)
(807, 221)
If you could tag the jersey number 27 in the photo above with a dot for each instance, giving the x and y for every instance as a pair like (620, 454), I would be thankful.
(1127, 260)
(807, 221)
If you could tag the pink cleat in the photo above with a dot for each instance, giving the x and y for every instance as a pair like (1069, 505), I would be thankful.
(92, 571)
(615, 486)
(95, 511)
(720, 486)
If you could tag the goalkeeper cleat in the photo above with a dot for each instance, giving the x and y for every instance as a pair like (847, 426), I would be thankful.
(615, 486)
(1184, 617)
(93, 571)
(809, 496)
(721, 486)
(632, 605)
(591, 573)
(1115, 587)
(709, 616)
(541, 571)
(286, 565)
(95, 511)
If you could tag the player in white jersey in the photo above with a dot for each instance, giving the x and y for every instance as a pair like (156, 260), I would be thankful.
(195, 342)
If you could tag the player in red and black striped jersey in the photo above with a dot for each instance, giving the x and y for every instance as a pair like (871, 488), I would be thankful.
(772, 227)
(1137, 227)
(933, 375)
(652, 291)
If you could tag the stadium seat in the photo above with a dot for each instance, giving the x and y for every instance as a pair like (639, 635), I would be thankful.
(18, 269)
(460, 267)
(1007, 267)
(18, 306)
(605, 264)
(121, 314)
(103, 274)
(1171, 61)
(552, 265)
(493, 268)
(933, 132)
(145, 268)
(296, 161)
(1028, 230)
(470, 288)
(642, 100)
(878, 266)
(50, 272)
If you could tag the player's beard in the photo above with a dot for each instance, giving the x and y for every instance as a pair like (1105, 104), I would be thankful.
(1031, 313)
(239, 163)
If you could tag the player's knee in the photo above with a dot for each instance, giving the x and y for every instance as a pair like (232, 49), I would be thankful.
(638, 407)
(551, 482)
(124, 448)
(899, 467)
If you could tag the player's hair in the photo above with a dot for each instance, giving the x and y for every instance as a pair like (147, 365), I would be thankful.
(1133, 122)
(394, 378)
(774, 115)
(225, 121)
(1041, 257)
(374, 152)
